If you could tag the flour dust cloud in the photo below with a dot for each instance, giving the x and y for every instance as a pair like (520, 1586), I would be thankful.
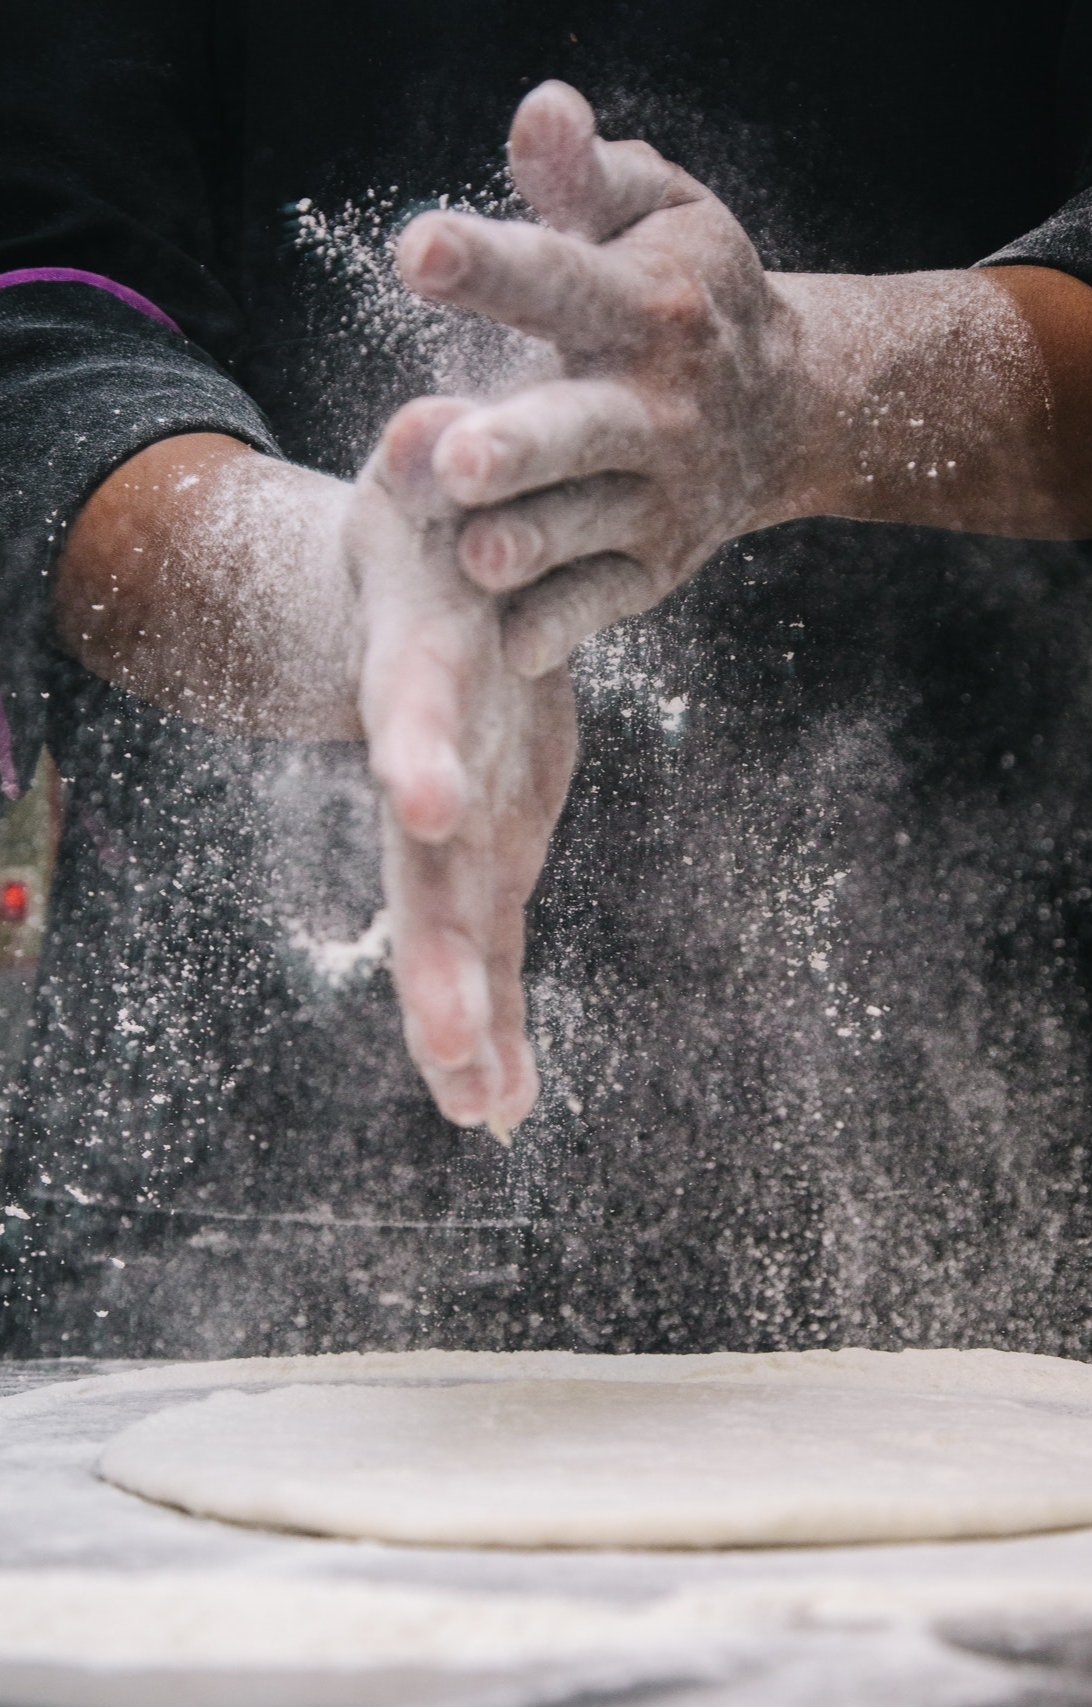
(807, 968)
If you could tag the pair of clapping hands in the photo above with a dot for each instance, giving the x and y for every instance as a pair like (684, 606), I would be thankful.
(492, 537)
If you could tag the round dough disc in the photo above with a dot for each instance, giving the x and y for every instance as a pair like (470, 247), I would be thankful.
(791, 1451)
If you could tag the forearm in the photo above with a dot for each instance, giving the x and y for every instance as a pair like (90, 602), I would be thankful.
(957, 400)
(211, 580)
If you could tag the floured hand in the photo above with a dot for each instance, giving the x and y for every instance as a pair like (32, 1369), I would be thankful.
(698, 397)
(473, 762)
(595, 493)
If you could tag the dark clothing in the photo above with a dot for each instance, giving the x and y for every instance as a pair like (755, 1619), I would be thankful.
(810, 963)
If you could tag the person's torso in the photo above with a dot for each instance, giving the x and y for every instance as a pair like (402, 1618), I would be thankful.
(808, 973)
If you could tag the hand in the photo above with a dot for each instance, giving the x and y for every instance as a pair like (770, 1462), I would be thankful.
(474, 764)
(670, 429)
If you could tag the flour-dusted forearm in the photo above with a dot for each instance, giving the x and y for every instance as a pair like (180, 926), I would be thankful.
(212, 580)
(955, 399)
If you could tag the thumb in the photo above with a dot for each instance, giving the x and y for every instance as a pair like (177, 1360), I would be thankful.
(575, 180)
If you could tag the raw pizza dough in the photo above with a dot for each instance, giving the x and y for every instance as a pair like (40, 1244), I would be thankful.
(686, 1452)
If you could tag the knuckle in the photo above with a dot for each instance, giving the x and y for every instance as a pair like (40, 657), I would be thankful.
(679, 303)
(678, 419)
(644, 154)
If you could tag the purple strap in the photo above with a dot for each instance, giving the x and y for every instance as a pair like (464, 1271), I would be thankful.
(72, 275)
(9, 782)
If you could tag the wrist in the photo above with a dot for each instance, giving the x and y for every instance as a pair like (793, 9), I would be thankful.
(845, 407)
(791, 472)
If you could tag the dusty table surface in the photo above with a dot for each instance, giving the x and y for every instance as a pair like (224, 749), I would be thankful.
(20, 1377)
(56, 1516)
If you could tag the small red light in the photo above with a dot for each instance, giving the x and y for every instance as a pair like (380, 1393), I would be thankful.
(14, 903)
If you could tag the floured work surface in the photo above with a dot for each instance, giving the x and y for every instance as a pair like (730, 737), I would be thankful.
(784, 1448)
(107, 1600)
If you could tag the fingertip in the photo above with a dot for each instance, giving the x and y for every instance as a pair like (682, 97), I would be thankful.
(551, 152)
(483, 553)
(499, 552)
(462, 463)
(431, 256)
(467, 1095)
(520, 1088)
(551, 113)
(461, 1109)
(469, 461)
(411, 436)
(574, 179)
